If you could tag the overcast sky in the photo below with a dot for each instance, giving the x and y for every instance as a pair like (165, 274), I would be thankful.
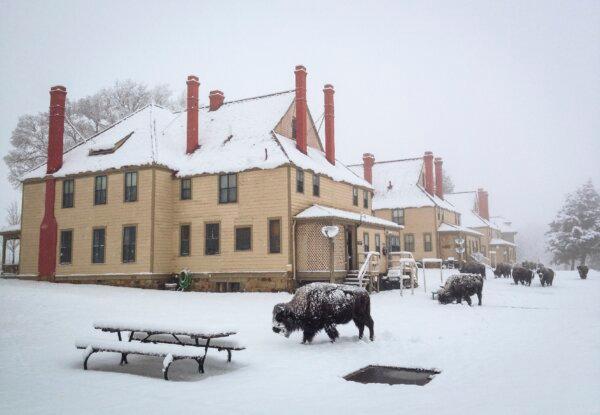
(508, 93)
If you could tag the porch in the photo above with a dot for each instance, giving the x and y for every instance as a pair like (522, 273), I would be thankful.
(11, 237)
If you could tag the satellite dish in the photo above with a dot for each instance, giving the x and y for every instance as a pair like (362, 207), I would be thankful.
(330, 231)
(459, 241)
(460, 250)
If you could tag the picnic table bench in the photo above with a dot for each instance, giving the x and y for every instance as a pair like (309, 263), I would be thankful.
(167, 341)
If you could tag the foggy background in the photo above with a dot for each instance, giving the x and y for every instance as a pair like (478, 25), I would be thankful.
(508, 93)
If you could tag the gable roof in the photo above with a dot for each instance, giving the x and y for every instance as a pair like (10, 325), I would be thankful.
(503, 224)
(326, 212)
(466, 204)
(238, 136)
(406, 191)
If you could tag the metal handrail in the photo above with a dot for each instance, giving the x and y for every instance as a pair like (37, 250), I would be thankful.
(365, 266)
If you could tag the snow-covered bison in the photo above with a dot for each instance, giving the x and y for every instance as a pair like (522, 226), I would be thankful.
(583, 271)
(473, 268)
(522, 275)
(319, 306)
(502, 270)
(546, 275)
(461, 287)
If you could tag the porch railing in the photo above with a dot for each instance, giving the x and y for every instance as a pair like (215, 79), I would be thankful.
(369, 269)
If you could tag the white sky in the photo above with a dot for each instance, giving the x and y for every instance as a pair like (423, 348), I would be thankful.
(508, 93)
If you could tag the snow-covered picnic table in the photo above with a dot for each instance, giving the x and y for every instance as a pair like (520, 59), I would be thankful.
(154, 339)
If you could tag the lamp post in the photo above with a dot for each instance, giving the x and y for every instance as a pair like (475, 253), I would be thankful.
(330, 232)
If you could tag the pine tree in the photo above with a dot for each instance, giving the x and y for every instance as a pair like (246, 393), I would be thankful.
(574, 234)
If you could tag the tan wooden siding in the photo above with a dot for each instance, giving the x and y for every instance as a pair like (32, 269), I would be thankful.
(31, 218)
(165, 196)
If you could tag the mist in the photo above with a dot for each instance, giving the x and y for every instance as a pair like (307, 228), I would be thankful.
(507, 93)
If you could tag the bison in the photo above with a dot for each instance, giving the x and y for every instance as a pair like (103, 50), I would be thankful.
(583, 271)
(461, 287)
(522, 275)
(319, 306)
(502, 270)
(546, 275)
(473, 268)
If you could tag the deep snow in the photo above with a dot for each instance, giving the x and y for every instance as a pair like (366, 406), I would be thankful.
(527, 350)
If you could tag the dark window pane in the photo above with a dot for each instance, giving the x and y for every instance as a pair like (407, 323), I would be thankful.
(186, 189)
(275, 236)
(427, 242)
(184, 240)
(98, 246)
(66, 246)
(377, 243)
(243, 239)
(228, 188)
(212, 239)
(409, 242)
(316, 185)
(100, 184)
(355, 196)
(365, 199)
(366, 247)
(398, 216)
(131, 186)
(68, 193)
(394, 243)
(299, 181)
(129, 242)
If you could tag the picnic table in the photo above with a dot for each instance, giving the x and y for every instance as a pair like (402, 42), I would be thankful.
(169, 341)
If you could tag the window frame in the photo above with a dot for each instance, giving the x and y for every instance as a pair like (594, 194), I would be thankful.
(365, 199)
(269, 241)
(60, 246)
(235, 238)
(99, 228)
(127, 189)
(228, 188)
(316, 185)
(366, 242)
(218, 239)
(72, 193)
(408, 245)
(123, 260)
(182, 188)
(391, 246)
(426, 243)
(300, 180)
(189, 239)
(400, 219)
(355, 196)
(378, 242)
(97, 191)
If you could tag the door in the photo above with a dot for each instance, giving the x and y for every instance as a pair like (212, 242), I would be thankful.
(349, 247)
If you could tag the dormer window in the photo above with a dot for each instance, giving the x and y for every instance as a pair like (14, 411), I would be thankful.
(109, 150)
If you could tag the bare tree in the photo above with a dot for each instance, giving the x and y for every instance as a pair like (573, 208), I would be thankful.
(447, 183)
(13, 217)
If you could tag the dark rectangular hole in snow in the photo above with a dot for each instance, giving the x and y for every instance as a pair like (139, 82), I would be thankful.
(392, 375)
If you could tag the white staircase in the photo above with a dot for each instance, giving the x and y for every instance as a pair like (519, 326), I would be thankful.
(367, 275)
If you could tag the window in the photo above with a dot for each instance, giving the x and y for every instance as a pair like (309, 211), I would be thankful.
(294, 128)
(365, 199)
(100, 184)
(427, 242)
(299, 181)
(394, 243)
(186, 189)
(68, 193)
(131, 186)
(66, 247)
(243, 238)
(458, 219)
(409, 242)
(274, 236)
(129, 237)
(366, 247)
(98, 244)
(316, 185)
(228, 188)
(377, 242)
(398, 216)
(355, 196)
(211, 246)
(184, 240)
(228, 287)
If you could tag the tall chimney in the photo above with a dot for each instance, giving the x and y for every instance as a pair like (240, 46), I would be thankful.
(428, 159)
(56, 128)
(439, 178)
(301, 115)
(49, 227)
(482, 199)
(368, 161)
(193, 84)
(216, 99)
(329, 124)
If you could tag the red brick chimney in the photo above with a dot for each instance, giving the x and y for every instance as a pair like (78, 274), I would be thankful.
(482, 200)
(193, 84)
(439, 178)
(329, 124)
(301, 114)
(49, 227)
(368, 162)
(428, 159)
(56, 128)
(216, 99)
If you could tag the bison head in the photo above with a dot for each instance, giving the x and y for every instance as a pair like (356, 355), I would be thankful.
(444, 297)
(282, 320)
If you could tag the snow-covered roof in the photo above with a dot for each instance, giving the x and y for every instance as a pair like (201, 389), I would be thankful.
(466, 204)
(325, 212)
(238, 136)
(497, 241)
(503, 224)
(447, 227)
(405, 190)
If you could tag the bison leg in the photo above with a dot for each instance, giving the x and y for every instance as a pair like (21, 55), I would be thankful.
(458, 299)
(308, 335)
(370, 325)
(332, 332)
(361, 327)
(468, 300)
(479, 295)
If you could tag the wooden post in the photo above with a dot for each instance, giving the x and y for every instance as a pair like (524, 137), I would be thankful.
(331, 260)
(3, 253)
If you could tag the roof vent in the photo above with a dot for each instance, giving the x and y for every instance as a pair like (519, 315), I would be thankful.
(390, 185)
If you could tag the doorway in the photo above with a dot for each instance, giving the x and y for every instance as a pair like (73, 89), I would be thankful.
(350, 248)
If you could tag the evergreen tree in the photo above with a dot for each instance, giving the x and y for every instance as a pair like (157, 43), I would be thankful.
(574, 234)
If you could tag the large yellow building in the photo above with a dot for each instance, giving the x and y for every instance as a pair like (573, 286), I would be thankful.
(235, 192)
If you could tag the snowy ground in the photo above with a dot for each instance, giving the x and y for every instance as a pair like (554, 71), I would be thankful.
(528, 350)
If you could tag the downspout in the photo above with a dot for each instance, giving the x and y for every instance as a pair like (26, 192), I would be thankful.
(294, 249)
